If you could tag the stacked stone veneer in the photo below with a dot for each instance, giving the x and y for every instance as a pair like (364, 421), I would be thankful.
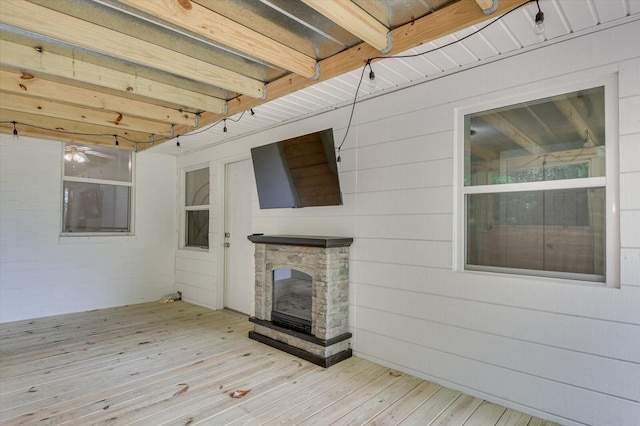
(329, 270)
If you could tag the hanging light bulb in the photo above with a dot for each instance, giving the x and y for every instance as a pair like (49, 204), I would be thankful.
(539, 20)
(372, 76)
(15, 130)
(178, 141)
(224, 129)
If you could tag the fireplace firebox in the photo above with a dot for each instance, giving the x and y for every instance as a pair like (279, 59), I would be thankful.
(302, 296)
(291, 305)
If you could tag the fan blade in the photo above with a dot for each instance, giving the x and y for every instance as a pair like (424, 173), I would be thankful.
(100, 154)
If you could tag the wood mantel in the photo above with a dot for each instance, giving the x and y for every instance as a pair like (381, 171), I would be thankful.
(301, 240)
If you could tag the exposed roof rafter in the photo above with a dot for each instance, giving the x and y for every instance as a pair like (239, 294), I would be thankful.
(38, 19)
(30, 85)
(193, 17)
(28, 59)
(54, 109)
(355, 20)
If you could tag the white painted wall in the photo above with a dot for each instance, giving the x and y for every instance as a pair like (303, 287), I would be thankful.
(43, 274)
(559, 350)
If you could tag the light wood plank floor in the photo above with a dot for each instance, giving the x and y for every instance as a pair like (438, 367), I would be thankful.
(178, 364)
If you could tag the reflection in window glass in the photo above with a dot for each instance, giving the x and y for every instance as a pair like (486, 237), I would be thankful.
(97, 163)
(560, 137)
(91, 207)
(558, 230)
(197, 232)
(197, 187)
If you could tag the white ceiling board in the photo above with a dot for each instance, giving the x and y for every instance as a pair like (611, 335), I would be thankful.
(438, 57)
(396, 74)
(501, 38)
(478, 44)
(328, 96)
(457, 51)
(421, 63)
(608, 12)
(580, 14)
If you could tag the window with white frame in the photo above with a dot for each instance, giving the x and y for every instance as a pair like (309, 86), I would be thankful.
(539, 187)
(196, 231)
(97, 190)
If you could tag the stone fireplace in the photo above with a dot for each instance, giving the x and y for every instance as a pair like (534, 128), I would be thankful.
(302, 296)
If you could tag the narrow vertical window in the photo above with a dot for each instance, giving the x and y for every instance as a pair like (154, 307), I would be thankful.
(197, 208)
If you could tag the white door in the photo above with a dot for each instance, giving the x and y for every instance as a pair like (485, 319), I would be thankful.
(239, 264)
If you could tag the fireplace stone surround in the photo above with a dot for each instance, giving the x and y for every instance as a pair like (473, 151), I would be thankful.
(326, 260)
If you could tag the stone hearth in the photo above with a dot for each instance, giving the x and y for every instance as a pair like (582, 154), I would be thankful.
(326, 260)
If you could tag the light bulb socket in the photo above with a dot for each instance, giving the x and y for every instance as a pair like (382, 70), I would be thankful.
(539, 18)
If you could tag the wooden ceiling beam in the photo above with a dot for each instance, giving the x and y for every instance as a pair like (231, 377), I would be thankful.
(36, 61)
(29, 104)
(357, 21)
(505, 127)
(574, 116)
(50, 23)
(29, 85)
(220, 29)
(40, 126)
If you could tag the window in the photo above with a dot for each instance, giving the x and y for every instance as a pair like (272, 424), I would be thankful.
(97, 190)
(537, 190)
(197, 208)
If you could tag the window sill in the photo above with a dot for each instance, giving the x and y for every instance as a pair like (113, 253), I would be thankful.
(95, 238)
(537, 278)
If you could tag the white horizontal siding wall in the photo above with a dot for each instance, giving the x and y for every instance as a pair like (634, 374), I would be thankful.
(559, 350)
(563, 351)
(43, 274)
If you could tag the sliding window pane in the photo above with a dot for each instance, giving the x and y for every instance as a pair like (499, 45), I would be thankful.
(197, 187)
(560, 137)
(556, 231)
(91, 207)
(197, 228)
